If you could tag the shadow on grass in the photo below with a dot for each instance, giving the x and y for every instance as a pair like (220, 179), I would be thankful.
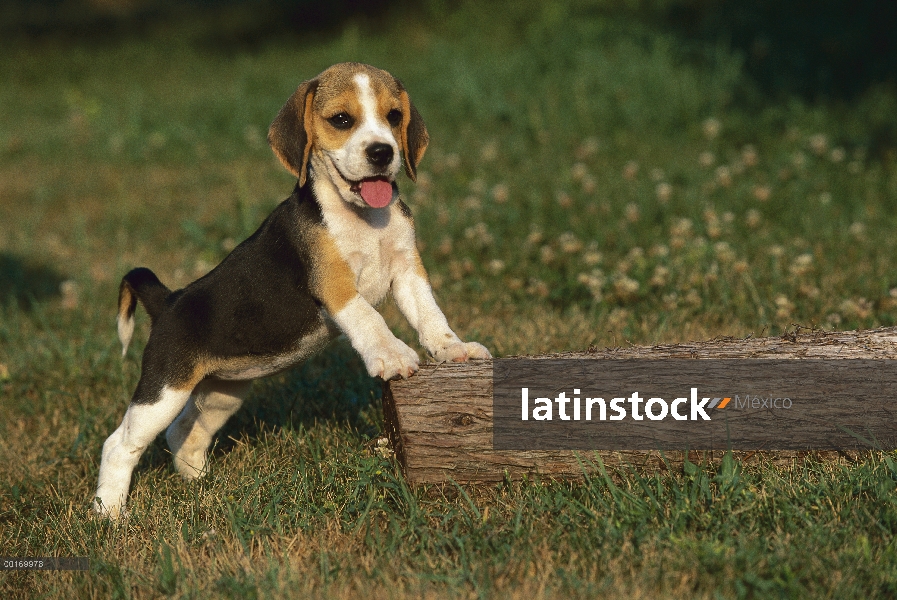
(23, 283)
(331, 386)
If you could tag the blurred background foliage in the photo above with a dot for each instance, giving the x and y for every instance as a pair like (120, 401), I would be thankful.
(649, 162)
(815, 48)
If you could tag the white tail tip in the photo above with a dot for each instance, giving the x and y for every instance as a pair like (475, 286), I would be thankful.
(125, 331)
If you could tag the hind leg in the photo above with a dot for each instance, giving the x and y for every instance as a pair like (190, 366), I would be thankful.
(143, 421)
(189, 436)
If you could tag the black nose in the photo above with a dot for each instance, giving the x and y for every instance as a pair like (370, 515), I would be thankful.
(379, 154)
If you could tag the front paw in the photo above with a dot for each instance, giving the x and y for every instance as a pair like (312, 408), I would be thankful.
(390, 360)
(477, 351)
(461, 352)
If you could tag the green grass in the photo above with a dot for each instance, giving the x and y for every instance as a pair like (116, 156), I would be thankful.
(592, 180)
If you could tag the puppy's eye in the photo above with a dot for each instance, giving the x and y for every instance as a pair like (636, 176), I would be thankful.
(394, 117)
(341, 120)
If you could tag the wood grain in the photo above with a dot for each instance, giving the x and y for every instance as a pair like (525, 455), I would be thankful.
(440, 420)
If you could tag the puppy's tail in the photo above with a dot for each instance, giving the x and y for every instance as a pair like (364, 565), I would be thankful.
(143, 285)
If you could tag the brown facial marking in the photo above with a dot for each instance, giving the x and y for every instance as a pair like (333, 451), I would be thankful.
(332, 280)
(387, 96)
(335, 97)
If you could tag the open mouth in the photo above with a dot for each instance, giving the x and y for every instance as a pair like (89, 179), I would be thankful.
(375, 191)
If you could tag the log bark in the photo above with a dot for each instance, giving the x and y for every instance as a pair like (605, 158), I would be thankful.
(440, 420)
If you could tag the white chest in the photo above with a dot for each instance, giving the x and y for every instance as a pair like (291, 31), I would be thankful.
(375, 245)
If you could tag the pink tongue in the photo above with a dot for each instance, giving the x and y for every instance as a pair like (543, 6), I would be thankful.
(376, 192)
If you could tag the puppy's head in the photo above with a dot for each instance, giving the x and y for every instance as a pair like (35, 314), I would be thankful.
(355, 121)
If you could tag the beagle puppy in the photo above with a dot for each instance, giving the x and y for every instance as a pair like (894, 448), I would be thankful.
(315, 268)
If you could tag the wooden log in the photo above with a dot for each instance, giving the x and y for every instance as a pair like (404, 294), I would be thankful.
(440, 420)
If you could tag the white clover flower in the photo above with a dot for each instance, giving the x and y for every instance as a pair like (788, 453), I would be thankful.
(856, 307)
(802, 264)
(681, 227)
(838, 155)
(819, 144)
(660, 277)
(472, 203)
(626, 287)
(784, 306)
(578, 171)
(424, 180)
(594, 281)
(569, 243)
(752, 218)
(489, 151)
(479, 235)
(724, 176)
(724, 252)
(537, 287)
(706, 159)
(500, 193)
(592, 257)
(588, 183)
(496, 266)
(711, 128)
(383, 448)
(762, 192)
(618, 318)
(587, 148)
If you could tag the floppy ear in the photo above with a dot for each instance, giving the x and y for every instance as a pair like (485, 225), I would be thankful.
(414, 135)
(290, 133)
